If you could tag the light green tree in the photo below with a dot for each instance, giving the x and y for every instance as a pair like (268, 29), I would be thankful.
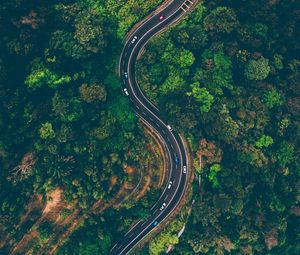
(212, 176)
(264, 141)
(202, 96)
(272, 98)
(46, 131)
(40, 76)
(167, 237)
(257, 69)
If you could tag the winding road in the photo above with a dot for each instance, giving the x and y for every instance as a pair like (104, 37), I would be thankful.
(149, 113)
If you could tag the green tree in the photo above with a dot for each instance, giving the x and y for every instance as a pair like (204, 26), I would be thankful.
(64, 41)
(264, 141)
(272, 98)
(167, 237)
(220, 20)
(257, 69)
(212, 176)
(67, 110)
(172, 84)
(46, 131)
(40, 76)
(185, 58)
(122, 112)
(193, 37)
(92, 93)
(278, 61)
(253, 33)
(285, 153)
(90, 31)
(217, 73)
(202, 96)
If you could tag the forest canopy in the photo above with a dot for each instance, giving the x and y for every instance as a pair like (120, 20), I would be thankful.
(226, 77)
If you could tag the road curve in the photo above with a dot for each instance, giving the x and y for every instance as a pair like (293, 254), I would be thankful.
(149, 113)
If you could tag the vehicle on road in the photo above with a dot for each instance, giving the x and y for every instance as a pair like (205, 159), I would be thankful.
(176, 159)
(134, 39)
(184, 169)
(163, 206)
(126, 92)
(174, 190)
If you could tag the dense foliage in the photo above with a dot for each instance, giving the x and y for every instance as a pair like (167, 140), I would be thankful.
(227, 77)
(235, 96)
(64, 121)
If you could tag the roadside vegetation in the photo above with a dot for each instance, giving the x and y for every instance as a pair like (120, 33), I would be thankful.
(227, 77)
(76, 167)
(66, 126)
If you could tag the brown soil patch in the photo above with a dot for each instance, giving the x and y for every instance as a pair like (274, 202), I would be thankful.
(186, 197)
(54, 199)
(52, 211)
(145, 188)
(35, 203)
(134, 188)
(161, 156)
(113, 182)
(129, 170)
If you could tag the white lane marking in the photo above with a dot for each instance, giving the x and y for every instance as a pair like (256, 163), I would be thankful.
(131, 235)
(130, 230)
(130, 57)
(164, 131)
(151, 119)
(137, 106)
(180, 161)
(129, 42)
(157, 125)
(148, 100)
(167, 204)
(113, 247)
(144, 95)
(171, 165)
(168, 138)
(144, 113)
(166, 196)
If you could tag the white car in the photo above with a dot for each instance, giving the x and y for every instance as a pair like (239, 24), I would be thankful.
(126, 92)
(170, 184)
(163, 206)
(184, 169)
(134, 39)
(169, 127)
(126, 75)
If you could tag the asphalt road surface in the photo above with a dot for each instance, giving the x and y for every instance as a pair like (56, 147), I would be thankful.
(177, 165)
